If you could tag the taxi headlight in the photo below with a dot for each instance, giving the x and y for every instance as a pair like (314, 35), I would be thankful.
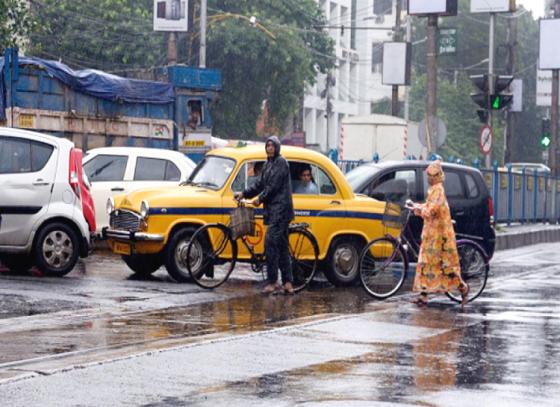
(110, 206)
(144, 209)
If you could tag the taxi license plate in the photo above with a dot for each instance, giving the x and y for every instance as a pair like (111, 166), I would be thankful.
(121, 248)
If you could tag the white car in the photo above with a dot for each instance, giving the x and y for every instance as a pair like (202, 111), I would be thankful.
(40, 203)
(120, 170)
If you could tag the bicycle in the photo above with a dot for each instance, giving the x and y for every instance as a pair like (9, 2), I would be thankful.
(212, 253)
(384, 262)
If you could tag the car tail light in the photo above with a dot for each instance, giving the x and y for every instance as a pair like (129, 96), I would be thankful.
(491, 209)
(73, 179)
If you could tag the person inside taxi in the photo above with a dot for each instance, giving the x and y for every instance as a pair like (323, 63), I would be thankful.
(306, 184)
(255, 173)
(274, 190)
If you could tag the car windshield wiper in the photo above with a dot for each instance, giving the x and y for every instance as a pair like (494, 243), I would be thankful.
(187, 183)
(207, 184)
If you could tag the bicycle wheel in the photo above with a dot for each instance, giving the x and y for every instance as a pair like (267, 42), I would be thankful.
(383, 267)
(211, 255)
(304, 253)
(474, 269)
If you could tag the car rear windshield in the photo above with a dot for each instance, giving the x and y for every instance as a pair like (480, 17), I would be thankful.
(212, 172)
(360, 175)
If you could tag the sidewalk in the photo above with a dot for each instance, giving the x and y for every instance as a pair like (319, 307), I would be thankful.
(518, 235)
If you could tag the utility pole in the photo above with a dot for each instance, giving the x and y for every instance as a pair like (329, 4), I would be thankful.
(171, 48)
(328, 104)
(407, 88)
(490, 76)
(203, 12)
(431, 101)
(553, 156)
(396, 37)
(510, 142)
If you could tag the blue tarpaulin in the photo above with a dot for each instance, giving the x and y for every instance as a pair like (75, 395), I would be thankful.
(95, 83)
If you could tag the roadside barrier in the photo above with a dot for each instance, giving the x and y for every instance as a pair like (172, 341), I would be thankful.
(525, 196)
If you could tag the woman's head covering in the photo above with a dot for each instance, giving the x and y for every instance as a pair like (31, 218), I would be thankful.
(436, 171)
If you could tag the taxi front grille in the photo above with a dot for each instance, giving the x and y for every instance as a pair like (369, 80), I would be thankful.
(125, 220)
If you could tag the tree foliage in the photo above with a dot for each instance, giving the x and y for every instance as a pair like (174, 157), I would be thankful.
(104, 34)
(271, 59)
(15, 22)
(455, 107)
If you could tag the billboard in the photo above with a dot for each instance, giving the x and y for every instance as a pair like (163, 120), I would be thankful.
(549, 46)
(426, 7)
(492, 6)
(396, 63)
(171, 15)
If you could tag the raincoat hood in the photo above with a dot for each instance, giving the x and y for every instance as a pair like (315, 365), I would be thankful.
(435, 170)
(276, 142)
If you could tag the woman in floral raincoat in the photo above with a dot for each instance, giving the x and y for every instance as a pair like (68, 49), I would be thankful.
(438, 269)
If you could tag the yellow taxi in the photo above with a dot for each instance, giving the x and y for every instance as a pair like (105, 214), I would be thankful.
(151, 227)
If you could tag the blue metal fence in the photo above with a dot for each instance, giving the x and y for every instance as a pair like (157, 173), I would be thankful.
(526, 196)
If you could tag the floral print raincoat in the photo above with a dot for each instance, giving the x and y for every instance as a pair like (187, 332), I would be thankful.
(438, 269)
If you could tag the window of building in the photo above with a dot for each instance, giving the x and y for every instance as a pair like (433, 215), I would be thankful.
(382, 7)
(376, 57)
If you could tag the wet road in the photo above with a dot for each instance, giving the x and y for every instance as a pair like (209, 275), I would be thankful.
(100, 337)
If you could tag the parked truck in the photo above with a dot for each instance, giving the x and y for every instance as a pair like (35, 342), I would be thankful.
(95, 109)
(378, 136)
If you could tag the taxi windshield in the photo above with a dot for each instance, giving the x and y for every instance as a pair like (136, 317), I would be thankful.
(212, 172)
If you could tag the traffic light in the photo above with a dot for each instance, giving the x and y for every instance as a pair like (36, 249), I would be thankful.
(498, 100)
(545, 133)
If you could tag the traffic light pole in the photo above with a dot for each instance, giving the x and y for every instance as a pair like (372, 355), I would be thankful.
(510, 142)
(553, 155)
(490, 77)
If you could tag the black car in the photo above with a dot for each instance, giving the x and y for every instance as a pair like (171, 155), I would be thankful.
(469, 200)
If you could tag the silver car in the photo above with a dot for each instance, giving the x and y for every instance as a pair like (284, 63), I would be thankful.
(40, 203)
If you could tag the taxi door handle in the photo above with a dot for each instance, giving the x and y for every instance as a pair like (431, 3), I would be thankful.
(335, 203)
(117, 189)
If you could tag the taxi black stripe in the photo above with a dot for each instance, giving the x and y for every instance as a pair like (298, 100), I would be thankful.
(298, 212)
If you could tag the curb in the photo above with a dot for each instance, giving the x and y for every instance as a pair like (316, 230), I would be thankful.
(514, 239)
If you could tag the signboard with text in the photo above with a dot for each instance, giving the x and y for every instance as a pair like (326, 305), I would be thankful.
(447, 41)
(544, 88)
(492, 6)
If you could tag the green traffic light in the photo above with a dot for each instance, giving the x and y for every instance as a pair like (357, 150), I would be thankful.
(545, 141)
(497, 103)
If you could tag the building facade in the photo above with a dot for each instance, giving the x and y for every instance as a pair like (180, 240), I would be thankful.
(354, 84)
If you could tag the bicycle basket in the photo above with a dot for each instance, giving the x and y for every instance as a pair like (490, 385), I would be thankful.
(242, 221)
(393, 216)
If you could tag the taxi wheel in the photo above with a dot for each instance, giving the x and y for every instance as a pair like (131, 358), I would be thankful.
(176, 253)
(342, 265)
(143, 264)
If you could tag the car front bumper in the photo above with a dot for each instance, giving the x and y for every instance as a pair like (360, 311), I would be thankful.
(130, 236)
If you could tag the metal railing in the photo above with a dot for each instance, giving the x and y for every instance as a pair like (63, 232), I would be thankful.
(526, 196)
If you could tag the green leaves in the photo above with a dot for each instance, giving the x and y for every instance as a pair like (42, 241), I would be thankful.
(15, 23)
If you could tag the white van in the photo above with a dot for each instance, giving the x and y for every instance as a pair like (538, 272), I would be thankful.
(120, 170)
(40, 202)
